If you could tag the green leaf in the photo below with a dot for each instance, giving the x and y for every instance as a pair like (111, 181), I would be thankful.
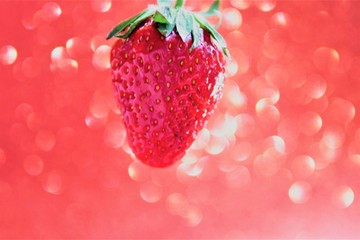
(184, 24)
(168, 13)
(179, 3)
(159, 18)
(164, 2)
(214, 9)
(147, 13)
(214, 34)
(197, 34)
(122, 26)
(166, 29)
(167, 18)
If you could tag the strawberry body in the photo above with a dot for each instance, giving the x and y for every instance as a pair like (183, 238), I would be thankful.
(165, 91)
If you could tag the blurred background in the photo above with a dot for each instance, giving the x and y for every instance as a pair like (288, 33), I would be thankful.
(280, 158)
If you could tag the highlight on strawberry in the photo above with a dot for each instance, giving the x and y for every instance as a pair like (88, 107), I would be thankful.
(167, 74)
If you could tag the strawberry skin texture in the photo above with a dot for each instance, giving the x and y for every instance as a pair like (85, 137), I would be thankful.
(165, 91)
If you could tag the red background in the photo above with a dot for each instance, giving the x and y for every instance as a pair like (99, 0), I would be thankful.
(280, 158)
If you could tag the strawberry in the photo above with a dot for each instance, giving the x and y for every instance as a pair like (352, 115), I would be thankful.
(167, 74)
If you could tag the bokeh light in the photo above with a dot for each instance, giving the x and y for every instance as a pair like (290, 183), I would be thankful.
(53, 9)
(101, 58)
(150, 192)
(8, 55)
(101, 5)
(45, 140)
(300, 192)
(281, 19)
(310, 123)
(232, 18)
(302, 166)
(343, 196)
(265, 5)
(33, 165)
(326, 59)
(241, 4)
(53, 183)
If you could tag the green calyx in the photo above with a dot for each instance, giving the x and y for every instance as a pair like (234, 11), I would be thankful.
(168, 17)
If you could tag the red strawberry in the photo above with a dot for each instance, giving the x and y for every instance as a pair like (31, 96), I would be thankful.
(167, 74)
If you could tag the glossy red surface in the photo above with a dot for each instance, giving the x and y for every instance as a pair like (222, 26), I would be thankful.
(280, 158)
(165, 92)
